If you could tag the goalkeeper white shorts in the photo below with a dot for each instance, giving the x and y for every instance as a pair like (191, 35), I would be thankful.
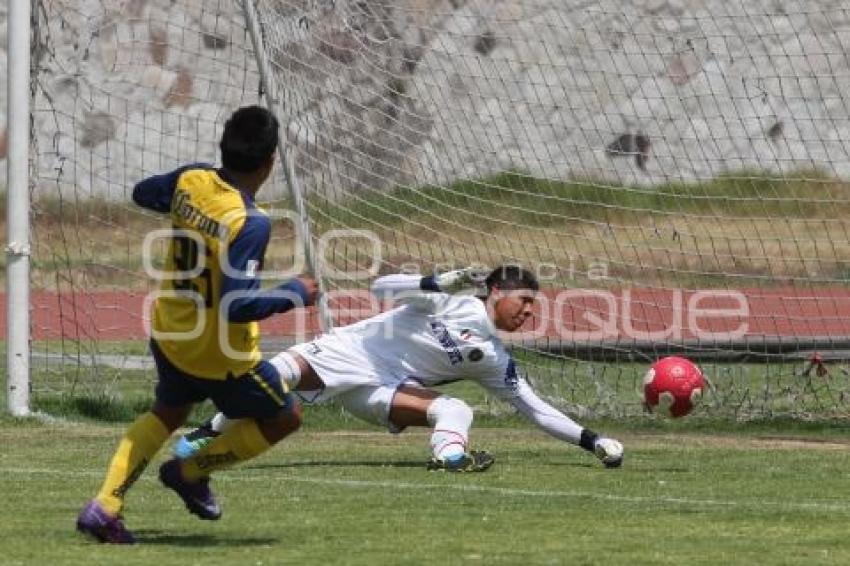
(341, 367)
(351, 378)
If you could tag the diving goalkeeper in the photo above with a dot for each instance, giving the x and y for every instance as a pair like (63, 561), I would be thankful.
(382, 369)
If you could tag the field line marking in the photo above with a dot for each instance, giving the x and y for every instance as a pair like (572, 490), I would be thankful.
(510, 491)
(504, 491)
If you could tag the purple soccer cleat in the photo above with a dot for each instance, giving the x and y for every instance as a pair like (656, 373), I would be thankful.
(95, 522)
(198, 497)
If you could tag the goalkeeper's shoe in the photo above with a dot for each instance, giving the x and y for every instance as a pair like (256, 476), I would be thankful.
(95, 522)
(474, 461)
(197, 496)
(609, 451)
(192, 443)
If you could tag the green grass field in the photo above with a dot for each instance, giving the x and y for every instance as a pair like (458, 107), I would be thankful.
(363, 497)
(717, 487)
(706, 489)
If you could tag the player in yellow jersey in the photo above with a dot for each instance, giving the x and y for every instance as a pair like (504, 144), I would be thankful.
(205, 337)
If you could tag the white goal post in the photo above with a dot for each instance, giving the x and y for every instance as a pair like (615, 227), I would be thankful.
(17, 210)
(676, 173)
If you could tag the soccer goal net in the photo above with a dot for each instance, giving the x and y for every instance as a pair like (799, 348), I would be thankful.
(676, 173)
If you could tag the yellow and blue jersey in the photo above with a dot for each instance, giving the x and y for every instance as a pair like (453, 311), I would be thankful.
(204, 318)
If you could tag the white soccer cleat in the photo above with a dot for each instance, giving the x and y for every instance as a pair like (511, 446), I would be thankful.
(609, 451)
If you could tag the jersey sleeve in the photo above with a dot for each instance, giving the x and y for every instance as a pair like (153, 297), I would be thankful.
(155, 192)
(500, 379)
(422, 293)
(240, 286)
(508, 386)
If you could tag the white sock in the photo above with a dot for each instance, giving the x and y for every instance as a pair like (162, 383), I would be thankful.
(218, 422)
(288, 369)
(451, 419)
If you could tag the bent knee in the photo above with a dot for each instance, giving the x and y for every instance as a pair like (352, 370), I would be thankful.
(290, 418)
(281, 425)
(293, 417)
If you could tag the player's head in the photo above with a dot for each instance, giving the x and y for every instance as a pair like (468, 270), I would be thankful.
(249, 142)
(510, 296)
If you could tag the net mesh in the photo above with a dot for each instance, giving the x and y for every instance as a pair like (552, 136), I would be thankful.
(676, 173)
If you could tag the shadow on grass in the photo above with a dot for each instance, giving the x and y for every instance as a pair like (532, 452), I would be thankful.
(569, 464)
(341, 464)
(153, 536)
(627, 467)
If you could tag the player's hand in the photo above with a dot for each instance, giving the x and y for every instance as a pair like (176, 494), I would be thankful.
(609, 451)
(312, 287)
(460, 280)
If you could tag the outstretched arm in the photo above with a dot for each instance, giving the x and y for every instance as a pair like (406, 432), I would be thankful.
(399, 283)
(446, 282)
(426, 292)
(544, 415)
(516, 391)
(240, 285)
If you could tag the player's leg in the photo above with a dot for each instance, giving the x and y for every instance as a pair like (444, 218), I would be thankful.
(175, 395)
(141, 441)
(295, 373)
(261, 412)
(450, 419)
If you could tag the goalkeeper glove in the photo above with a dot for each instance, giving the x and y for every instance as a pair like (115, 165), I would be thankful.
(460, 280)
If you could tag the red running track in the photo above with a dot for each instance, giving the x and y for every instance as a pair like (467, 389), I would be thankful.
(571, 314)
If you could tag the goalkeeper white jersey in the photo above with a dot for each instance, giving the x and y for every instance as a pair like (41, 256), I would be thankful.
(431, 338)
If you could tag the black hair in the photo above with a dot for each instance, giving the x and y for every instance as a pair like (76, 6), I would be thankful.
(510, 278)
(250, 138)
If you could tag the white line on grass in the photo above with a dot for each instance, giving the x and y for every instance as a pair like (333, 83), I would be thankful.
(519, 492)
(467, 488)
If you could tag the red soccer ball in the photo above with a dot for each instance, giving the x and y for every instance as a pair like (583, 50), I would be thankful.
(673, 386)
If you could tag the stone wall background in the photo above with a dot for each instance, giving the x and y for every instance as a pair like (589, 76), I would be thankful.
(377, 94)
